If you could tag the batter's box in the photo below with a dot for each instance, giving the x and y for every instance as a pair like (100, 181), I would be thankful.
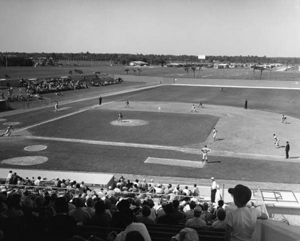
(175, 162)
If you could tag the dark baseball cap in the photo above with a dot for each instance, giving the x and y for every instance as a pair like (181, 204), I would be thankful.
(241, 193)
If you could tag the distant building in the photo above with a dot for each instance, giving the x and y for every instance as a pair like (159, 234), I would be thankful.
(138, 63)
(221, 66)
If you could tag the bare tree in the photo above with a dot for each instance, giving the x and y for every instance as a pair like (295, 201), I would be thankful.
(187, 70)
(194, 70)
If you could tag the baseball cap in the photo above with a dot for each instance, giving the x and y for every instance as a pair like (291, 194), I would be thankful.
(212, 178)
(241, 193)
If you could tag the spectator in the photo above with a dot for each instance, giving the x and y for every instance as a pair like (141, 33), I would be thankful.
(79, 214)
(186, 191)
(220, 222)
(146, 211)
(90, 206)
(195, 191)
(101, 216)
(177, 214)
(240, 223)
(37, 182)
(196, 221)
(169, 189)
(134, 235)
(61, 226)
(186, 234)
(116, 218)
(136, 207)
(206, 215)
(220, 205)
(190, 213)
(127, 218)
(153, 212)
(167, 218)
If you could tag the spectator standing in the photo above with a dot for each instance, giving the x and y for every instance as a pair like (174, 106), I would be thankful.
(213, 190)
(195, 191)
(240, 223)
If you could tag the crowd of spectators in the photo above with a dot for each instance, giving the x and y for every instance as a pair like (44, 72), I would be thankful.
(48, 85)
(38, 211)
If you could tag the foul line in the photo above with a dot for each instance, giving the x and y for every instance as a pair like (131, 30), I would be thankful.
(78, 111)
(240, 86)
(161, 147)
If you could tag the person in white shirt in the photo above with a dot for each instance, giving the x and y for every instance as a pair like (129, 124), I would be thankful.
(127, 217)
(213, 190)
(241, 222)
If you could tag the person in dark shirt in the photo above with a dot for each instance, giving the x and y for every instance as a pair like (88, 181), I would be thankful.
(168, 218)
(60, 225)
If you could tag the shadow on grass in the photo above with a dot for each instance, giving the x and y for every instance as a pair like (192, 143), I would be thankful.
(214, 162)
(294, 157)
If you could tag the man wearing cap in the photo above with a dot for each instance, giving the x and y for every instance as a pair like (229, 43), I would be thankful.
(196, 221)
(287, 149)
(240, 223)
(213, 190)
(205, 150)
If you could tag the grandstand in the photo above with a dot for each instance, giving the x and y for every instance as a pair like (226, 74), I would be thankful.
(120, 152)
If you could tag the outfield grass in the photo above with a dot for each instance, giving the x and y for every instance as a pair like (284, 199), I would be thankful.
(174, 125)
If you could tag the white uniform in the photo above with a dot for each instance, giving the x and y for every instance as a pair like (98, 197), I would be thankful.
(276, 141)
(193, 108)
(8, 131)
(205, 151)
(56, 106)
(214, 133)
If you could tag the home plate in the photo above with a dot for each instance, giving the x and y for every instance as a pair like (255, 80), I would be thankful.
(175, 162)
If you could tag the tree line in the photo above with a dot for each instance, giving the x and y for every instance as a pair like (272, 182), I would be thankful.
(27, 59)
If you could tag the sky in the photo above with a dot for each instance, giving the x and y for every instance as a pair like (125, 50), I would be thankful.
(178, 27)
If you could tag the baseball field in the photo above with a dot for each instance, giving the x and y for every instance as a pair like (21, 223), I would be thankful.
(160, 136)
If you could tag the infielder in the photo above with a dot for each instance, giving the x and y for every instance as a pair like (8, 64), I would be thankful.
(214, 134)
(276, 140)
(8, 131)
(205, 151)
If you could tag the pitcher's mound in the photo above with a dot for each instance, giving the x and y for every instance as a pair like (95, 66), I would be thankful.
(129, 122)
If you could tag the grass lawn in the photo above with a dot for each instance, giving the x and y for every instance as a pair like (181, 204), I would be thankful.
(171, 128)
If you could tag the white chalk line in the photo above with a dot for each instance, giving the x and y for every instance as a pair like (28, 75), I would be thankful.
(239, 86)
(75, 112)
(162, 147)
